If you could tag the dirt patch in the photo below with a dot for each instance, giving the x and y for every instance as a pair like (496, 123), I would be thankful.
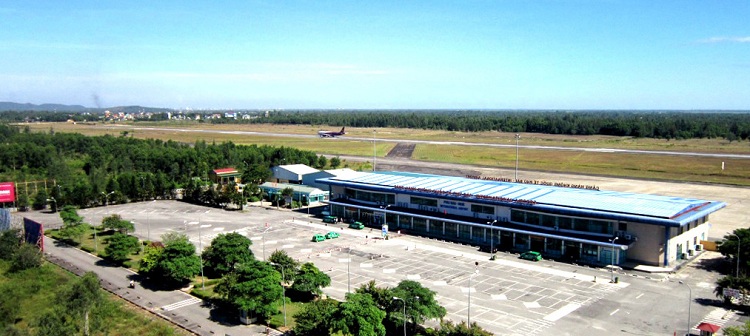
(402, 150)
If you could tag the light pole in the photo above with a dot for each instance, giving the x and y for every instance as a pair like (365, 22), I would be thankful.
(283, 290)
(492, 238)
(738, 255)
(348, 274)
(612, 264)
(515, 177)
(690, 301)
(468, 310)
(404, 302)
(373, 149)
(106, 203)
(200, 243)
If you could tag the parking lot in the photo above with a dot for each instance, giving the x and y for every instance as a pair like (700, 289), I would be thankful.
(508, 296)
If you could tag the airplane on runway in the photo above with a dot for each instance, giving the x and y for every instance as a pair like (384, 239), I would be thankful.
(331, 134)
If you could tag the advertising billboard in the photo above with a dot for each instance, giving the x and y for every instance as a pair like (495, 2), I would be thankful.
(7, 192)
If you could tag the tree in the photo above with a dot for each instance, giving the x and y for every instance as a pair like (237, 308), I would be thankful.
(40, 200)
(309, 279)
(116, 223)
(69, 215)
(282, 259)
(73, 231)
(27, 256)
(10, 242)
(728, 248)
(120, 247)
(335, 162)
(151, 256)
(254, 286)
(359, 315)
(226, 252)
(420, 303)
(447, 328)
(81, 297)
(175, 264)
(315, 318)
(382, 296)
(743, 330)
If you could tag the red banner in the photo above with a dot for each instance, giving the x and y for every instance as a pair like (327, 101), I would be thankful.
(7, 192)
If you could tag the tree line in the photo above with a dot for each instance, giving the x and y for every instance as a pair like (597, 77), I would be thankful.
(643, 124)
(87, 171)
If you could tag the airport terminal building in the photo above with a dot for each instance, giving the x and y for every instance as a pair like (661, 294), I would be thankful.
(568, 222)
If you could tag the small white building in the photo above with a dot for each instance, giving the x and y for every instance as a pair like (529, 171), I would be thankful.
(293, 174)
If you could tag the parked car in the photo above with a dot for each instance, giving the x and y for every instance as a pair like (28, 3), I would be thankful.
(318, 237)
(357, 225)
(331, 235)
(330, 219)
(531, 255)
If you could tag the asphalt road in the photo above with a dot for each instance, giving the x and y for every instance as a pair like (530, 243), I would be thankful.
(508, 296)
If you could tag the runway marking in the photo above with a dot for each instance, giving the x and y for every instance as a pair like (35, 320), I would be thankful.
(558, 314)
(639, 296)
(181, 304)
(614, 312)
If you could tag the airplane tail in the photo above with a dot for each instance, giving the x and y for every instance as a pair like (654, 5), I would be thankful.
(342, 130)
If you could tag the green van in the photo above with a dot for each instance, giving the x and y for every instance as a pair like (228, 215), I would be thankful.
(531, 255)
(318, 237)
(357, 225)
(329, 219)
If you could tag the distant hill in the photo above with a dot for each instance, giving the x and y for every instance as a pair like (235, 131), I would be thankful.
(9, 106)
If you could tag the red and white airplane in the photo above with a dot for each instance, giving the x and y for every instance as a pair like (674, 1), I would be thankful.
(331, 134)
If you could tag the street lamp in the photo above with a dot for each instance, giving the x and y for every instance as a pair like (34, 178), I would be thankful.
(492, 238)
(515, 177)
(468, 310)
(200, 243)
(612, 264)
(690, 301)
(404, 302)
(106, 203)
(348, 274)
(283, 290)
(738, 255)
(373, 149)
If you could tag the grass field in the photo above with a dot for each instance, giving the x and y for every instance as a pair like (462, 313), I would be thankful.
(35, 291)
(646, 166)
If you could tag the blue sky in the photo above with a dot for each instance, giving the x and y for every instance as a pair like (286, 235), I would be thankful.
(502, 54)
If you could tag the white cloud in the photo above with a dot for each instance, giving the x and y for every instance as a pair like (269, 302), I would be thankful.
(723, 39)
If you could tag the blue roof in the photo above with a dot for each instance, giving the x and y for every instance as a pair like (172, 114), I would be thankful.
(614, 205)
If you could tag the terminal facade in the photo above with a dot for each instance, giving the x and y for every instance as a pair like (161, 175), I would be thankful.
(567, 222)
